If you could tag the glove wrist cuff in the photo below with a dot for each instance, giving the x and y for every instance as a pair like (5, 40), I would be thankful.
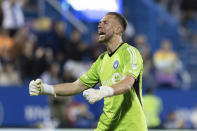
(48, 90)
(107, 91)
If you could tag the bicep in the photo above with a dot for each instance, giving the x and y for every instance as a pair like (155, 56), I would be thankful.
(90, 78)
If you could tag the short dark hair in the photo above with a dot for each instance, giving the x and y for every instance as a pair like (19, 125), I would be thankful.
(120, 18)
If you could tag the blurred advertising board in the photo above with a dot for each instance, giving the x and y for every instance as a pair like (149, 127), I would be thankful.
(18, 109)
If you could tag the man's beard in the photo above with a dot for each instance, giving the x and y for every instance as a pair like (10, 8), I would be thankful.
(105, 40)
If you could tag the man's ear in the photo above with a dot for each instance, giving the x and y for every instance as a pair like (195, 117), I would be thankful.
(118, 30)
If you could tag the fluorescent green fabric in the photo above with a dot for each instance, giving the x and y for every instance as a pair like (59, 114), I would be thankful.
(121, 112)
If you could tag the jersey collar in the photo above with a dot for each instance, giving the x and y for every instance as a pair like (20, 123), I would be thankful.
(110, 54)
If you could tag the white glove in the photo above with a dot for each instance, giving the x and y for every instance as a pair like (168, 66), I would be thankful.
(38, 88)
(93, 95)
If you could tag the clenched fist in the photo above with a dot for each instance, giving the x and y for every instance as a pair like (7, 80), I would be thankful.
(93, 95)
(38, 88)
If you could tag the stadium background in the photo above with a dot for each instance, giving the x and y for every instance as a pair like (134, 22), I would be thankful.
(56, 41)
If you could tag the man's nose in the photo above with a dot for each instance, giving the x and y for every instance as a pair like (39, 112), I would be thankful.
(100, 25)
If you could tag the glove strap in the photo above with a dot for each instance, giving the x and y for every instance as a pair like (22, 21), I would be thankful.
(107, 91)
(49, 90)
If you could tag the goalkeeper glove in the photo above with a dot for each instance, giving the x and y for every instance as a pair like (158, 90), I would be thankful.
(38, 88)
(93, 95)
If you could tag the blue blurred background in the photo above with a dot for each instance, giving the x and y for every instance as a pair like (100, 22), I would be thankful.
(56, 40)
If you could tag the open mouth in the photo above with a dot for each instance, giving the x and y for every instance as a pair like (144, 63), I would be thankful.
(101, 33)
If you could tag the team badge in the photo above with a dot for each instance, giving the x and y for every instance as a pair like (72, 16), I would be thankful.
(115, 65)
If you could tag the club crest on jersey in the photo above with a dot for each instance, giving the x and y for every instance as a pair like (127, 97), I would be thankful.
(116, 64)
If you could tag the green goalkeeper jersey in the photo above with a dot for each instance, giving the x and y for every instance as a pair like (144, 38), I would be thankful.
(121, 112)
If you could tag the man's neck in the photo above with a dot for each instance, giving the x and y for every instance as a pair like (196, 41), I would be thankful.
(113, 44)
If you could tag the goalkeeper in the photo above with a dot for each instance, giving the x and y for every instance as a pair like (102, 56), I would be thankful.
(119, 70)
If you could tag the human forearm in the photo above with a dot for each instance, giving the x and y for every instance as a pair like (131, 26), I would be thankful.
(93, 95)
(68, 89)
(124, 85)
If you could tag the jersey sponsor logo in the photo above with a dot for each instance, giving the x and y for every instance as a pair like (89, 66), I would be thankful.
(116, 64)
(116, 78)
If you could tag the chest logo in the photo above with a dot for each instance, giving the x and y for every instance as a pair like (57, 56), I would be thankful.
(116, 78)
(116, 64)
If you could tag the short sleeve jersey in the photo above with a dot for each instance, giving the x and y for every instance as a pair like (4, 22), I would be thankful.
(122, 112)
